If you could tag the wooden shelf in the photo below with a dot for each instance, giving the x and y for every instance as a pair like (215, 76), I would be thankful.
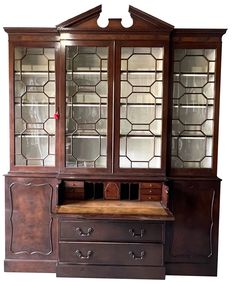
(117, 207)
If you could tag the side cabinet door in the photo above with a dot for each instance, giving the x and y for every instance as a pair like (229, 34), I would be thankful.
(30, 228)
(193, 236)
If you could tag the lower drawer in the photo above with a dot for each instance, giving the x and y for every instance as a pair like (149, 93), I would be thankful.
(90, 230)
(147, 197)
(111, 253)
(99, 271)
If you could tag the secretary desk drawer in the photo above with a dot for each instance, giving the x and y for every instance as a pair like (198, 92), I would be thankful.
(111, 253)
(113, 231)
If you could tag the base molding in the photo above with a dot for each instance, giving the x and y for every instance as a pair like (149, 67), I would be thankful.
(20, 265)
(191, 269)
(96, 271)
(109, 271)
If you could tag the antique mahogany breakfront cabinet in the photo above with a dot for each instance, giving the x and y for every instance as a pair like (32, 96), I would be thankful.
(114, 136)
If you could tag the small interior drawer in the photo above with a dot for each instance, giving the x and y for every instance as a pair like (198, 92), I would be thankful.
(149, 197)
(76, 184)
(150, 185)
(153, 191)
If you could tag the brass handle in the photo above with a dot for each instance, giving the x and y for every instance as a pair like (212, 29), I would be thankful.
(137, 235)
(80, 255)
(83, 234)
(132, 254)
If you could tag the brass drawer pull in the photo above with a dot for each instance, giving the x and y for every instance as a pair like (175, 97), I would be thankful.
(80, 255)
(83, 234)
(137, 235)
(132, 254)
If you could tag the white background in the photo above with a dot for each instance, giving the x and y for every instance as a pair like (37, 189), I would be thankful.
(181, 14)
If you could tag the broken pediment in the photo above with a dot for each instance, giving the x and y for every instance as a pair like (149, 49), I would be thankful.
(88, 21)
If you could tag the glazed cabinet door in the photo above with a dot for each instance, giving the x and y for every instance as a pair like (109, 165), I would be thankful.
(195, 100)
(33, 106)
(87, 93)
(115, 97)
(31, 230)
(140, 102)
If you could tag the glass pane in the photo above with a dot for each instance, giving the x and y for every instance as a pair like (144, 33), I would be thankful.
(86, 62)
(139, 149)
(34, 106)
(193, 108)
(141, 62)
(193, 80)
(35, 114)
(141, 114)
(87, 114)
(194, 64)
(86, 79)
(86, 106)
(191, 148)
(34, 147)
(34, 62)
(36, 79)
(192, 115)
(141, 107)
(84, 151)
(141, 79)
